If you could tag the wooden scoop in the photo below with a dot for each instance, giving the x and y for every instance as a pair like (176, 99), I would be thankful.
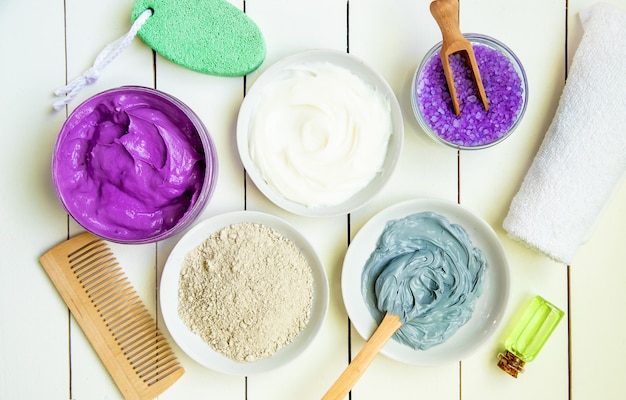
(446, 13)
(389, 325)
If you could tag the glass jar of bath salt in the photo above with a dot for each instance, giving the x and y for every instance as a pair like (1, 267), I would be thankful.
(528, 336)
(505, 86)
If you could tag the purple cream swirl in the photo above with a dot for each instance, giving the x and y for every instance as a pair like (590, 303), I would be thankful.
(129, 164)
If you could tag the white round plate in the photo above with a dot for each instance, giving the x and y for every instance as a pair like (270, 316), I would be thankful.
(489, 308)
(192, 344)
(280, 70)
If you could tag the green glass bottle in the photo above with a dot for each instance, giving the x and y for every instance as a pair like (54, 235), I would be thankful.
(529, 335)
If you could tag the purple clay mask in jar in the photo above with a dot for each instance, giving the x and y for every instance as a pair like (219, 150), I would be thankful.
(134, 165)
(505, 85)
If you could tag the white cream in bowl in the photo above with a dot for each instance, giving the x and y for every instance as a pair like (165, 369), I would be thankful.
(319, 135)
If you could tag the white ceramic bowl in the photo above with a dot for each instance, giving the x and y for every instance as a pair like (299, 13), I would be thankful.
(279, 71)
(489, 308)
(192, 344)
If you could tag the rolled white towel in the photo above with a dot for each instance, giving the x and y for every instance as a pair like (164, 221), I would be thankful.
(583, 155)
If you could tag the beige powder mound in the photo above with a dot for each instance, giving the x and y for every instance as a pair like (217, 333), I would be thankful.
(246, 290)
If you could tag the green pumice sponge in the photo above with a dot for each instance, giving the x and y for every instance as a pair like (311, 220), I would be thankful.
(209, 36)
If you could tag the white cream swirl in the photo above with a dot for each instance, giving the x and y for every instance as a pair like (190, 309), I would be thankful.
(319, 135)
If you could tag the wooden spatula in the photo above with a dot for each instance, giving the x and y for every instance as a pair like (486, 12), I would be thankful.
(446, 13)
(112, 316)
(353, 372)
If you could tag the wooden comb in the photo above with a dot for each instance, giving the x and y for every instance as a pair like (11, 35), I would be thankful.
(112, 316)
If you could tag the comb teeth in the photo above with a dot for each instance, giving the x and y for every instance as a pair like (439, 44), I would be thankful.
(128, 321)
(113, 317)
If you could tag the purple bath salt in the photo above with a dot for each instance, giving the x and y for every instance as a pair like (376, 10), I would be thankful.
(474, 126)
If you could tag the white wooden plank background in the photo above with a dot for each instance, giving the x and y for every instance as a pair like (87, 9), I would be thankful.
(43, 353)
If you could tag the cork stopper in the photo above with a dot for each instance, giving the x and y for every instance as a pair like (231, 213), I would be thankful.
(510, 363)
